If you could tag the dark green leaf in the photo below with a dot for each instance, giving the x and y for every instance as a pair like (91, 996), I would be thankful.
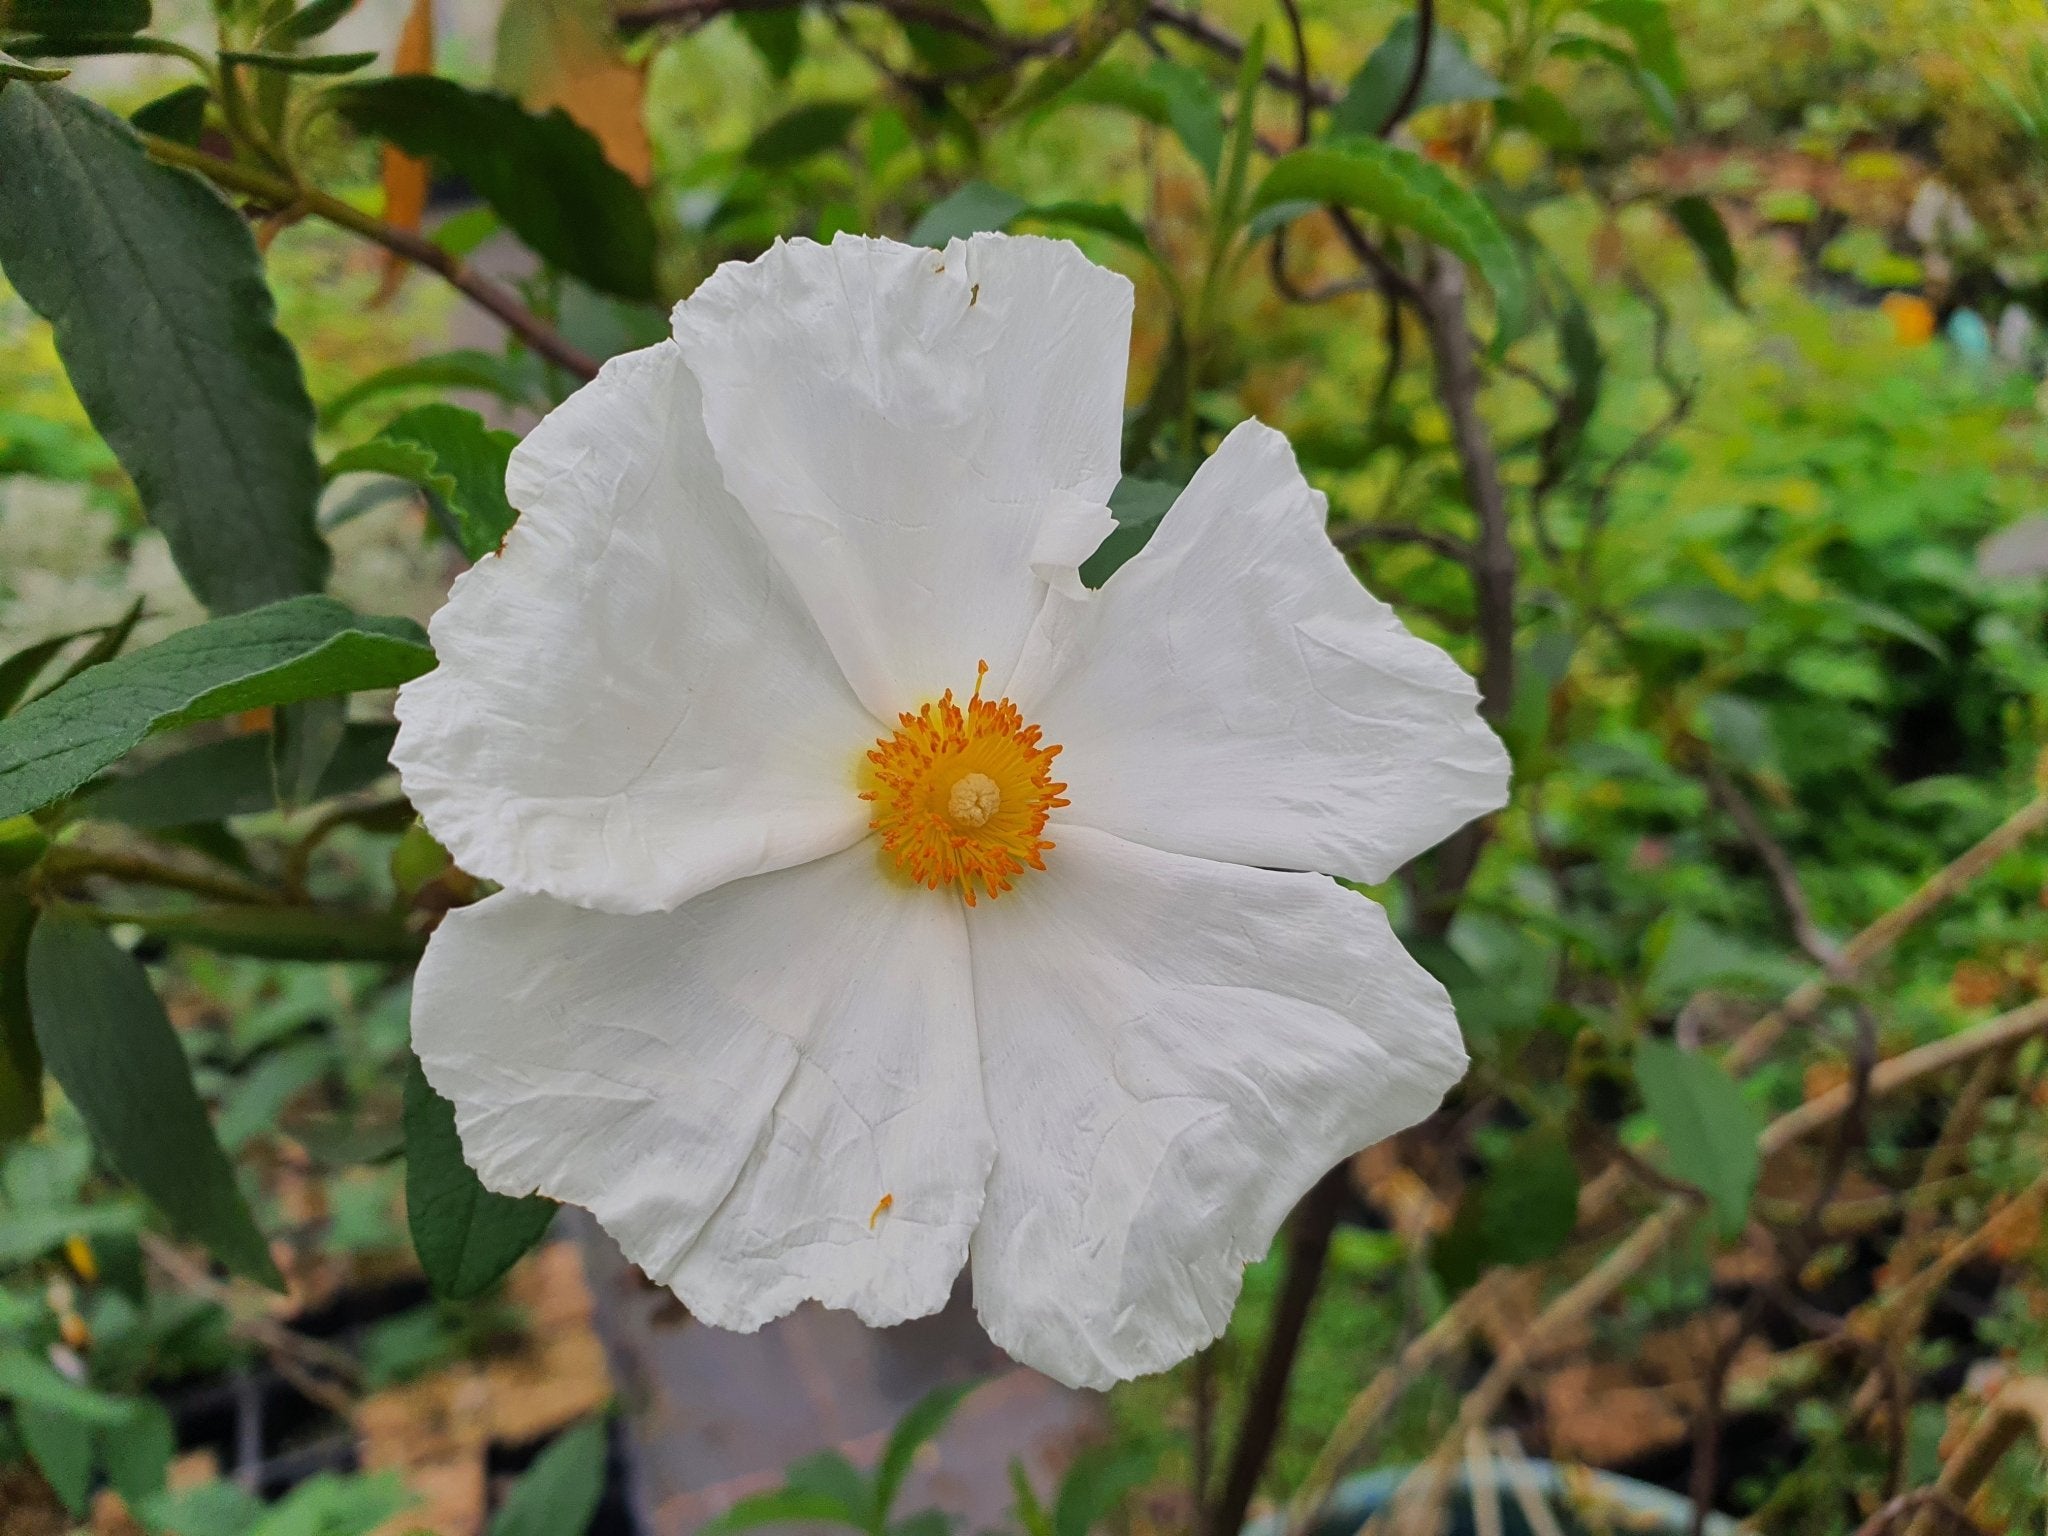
(107, 1041)
(1267, 220)
(1408, 191)
(1193, 110)
(1448, 75)
(559, 1493)
(1702, 225)
(165, 325)
(777, 36)
(138, 1454)
(21, 1063)
(486, 371)
(309, 21)
(946, 51)
(29, 1234)
(1522, 1209)
(303, 648)
(19, 671)
(303, 739)
(63, 1450)
(546, 176)
(228, 778)
(1648, 25)
(104, 648)
(1104, 218)
(973, 208)
(466, 1236)
(1709, 1129)
(282, 933)
(92, 18)
(1096, 1483)
(179, 116)
(451, 453)
(1137, 504)
(300, 63)
(926, 1417)
(28, 1381)
(803, 132)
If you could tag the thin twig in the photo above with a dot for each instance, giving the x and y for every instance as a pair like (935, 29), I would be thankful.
(1823, 950)
(1197, 28)
(277, 192)
(73, 862)
(1418, 69)
(1403, 533)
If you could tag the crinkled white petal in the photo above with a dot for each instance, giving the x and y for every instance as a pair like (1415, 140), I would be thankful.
(732, 1088)
(1234, 693)
(631, 704)
(1174, 1051)
(913, 430)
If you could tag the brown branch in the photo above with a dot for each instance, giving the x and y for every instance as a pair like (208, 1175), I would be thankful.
(1404, 533)
(277, 192)
(62, 865)
(1418, 69)
(640, 18)
(1877, 939)
(1199, 29)
(2020, 1406)
(1308, 1247)
(1823, 950)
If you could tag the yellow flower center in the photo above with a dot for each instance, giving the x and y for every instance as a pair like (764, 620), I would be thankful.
(961, 794)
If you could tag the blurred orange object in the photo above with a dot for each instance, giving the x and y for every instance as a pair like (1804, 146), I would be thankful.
(405, 179)
(1912, 318)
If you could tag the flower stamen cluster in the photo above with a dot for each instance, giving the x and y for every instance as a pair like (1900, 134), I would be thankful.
(961, 794)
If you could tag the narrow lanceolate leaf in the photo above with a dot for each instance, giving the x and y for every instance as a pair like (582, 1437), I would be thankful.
(1709, 1129)
(307, 22)
(451, 454)
(179, 116)
(1701, 223)
(303, 648)
(466, 1236)
(21, 1063)
(558, 1494)
(546, 176)
(1407, 191)
(166, 327)
(109, 1044)
(300, 63)
(1096, 1482)
(926, 1417)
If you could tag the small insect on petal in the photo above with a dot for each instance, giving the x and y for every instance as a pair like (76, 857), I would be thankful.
(881, 1209)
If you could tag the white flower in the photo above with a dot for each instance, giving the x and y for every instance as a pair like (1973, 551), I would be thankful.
(758, 709)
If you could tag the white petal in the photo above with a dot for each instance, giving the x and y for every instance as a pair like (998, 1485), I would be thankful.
(1234, 693)
(901, 424)
(733, 1087)
(1174, 1051)
(631, 705)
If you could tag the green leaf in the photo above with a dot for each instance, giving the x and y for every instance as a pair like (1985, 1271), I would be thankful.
(299, 63)
(260, 1095)
(1096, 1483)
(1701, 224)
(303, 740)
(90, 18)
(179, 116)
(222, 779)
(1243, 132)
(303, 648)
(309, 21)
(559, 1493)
(1648, 25)
(63, 1450)
(1657, 96)
(1408, 191)
(29, 1234)
(466, 1236)
(104, 648)
(450, 453)
(281, 933)
(1539, 111)
(1709, 1129)
(1114, 84)
(801, 133)
(945, 51)
(29, 1381)
(1104, 218)
(138, 1454)
(1522, 1209)
(777, 36)
(1193, 110)
(166, 327)
(21, 1062)
(1448, 75)
(12, 68)
(19, 671)
(925, 1418)
(511, 382)
(546, 176)
(781, 1506)
(107, 1041)
(1137, 504)
(973, 208)
(1030, 1513)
